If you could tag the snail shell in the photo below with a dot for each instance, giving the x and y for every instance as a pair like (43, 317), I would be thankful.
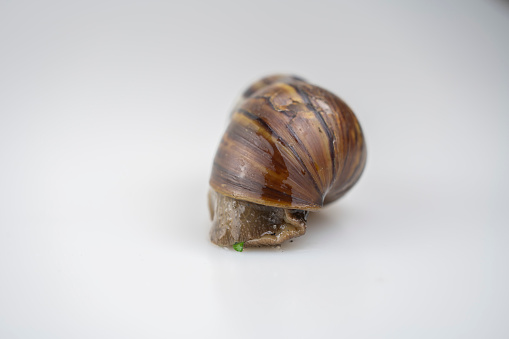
(291, 147)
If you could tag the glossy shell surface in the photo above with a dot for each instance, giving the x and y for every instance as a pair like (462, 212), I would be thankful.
(289, 144)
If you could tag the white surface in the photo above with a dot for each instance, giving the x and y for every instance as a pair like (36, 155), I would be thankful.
(110, 113)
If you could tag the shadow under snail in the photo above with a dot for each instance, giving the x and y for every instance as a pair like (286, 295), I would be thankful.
(290, 148)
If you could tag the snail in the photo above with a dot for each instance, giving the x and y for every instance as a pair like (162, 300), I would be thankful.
(290, 147)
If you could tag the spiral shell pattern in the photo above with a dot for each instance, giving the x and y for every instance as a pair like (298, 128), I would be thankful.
(289, 144)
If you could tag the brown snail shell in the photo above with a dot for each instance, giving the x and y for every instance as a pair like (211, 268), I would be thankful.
(291, 147)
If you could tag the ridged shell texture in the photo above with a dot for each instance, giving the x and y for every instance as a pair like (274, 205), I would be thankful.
(289, 144)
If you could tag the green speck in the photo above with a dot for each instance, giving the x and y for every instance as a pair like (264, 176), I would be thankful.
(238, 246)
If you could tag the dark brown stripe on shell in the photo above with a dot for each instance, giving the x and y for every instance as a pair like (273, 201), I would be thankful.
(270, 193)
(320, 118)
(284, 143)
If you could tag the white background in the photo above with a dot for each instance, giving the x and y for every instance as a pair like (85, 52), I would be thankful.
(110, 114)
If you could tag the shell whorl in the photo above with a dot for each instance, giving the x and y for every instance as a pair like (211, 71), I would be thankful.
(289, 144)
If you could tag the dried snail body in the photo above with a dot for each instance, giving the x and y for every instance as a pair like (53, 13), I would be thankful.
(290, 148)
